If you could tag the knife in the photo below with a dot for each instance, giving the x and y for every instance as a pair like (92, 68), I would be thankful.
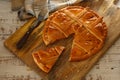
(42, 16)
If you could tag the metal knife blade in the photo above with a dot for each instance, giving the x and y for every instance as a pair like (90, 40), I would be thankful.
(42, 16)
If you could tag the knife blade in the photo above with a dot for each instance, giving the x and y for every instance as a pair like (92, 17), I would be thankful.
(42, 16)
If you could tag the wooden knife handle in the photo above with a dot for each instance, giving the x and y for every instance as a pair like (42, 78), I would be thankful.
(23, 40)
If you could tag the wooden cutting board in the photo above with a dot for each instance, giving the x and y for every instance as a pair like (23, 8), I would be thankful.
(63, 69)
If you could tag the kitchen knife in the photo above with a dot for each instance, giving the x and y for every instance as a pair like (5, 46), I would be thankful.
(42, 16)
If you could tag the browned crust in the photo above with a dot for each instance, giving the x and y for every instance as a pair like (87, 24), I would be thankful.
(48, 62)
(102, 36)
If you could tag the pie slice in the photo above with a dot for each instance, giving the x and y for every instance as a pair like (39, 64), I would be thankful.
(87, 26)
(45, 59)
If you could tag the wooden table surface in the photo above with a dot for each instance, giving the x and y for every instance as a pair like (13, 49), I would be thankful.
(11, 68)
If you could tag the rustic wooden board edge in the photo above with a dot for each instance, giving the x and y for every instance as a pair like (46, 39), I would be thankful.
(14, 51)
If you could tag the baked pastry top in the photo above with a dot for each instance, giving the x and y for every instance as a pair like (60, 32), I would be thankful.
(87, 26)
(45, 59)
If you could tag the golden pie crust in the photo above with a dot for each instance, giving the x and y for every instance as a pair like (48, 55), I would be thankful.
(45, 59)
(87, 26)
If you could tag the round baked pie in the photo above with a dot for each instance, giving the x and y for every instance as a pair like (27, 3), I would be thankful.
(87, 26)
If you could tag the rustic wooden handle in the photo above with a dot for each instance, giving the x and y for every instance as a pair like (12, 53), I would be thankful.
(23, 40)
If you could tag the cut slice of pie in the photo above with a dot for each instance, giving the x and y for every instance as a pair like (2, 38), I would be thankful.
(45, 59)
(87, 26)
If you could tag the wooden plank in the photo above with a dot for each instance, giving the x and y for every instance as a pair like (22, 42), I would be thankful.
(64, 69)
(17, 4)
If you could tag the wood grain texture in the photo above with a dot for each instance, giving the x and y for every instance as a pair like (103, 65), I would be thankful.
(63, 69)
(17, 4)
